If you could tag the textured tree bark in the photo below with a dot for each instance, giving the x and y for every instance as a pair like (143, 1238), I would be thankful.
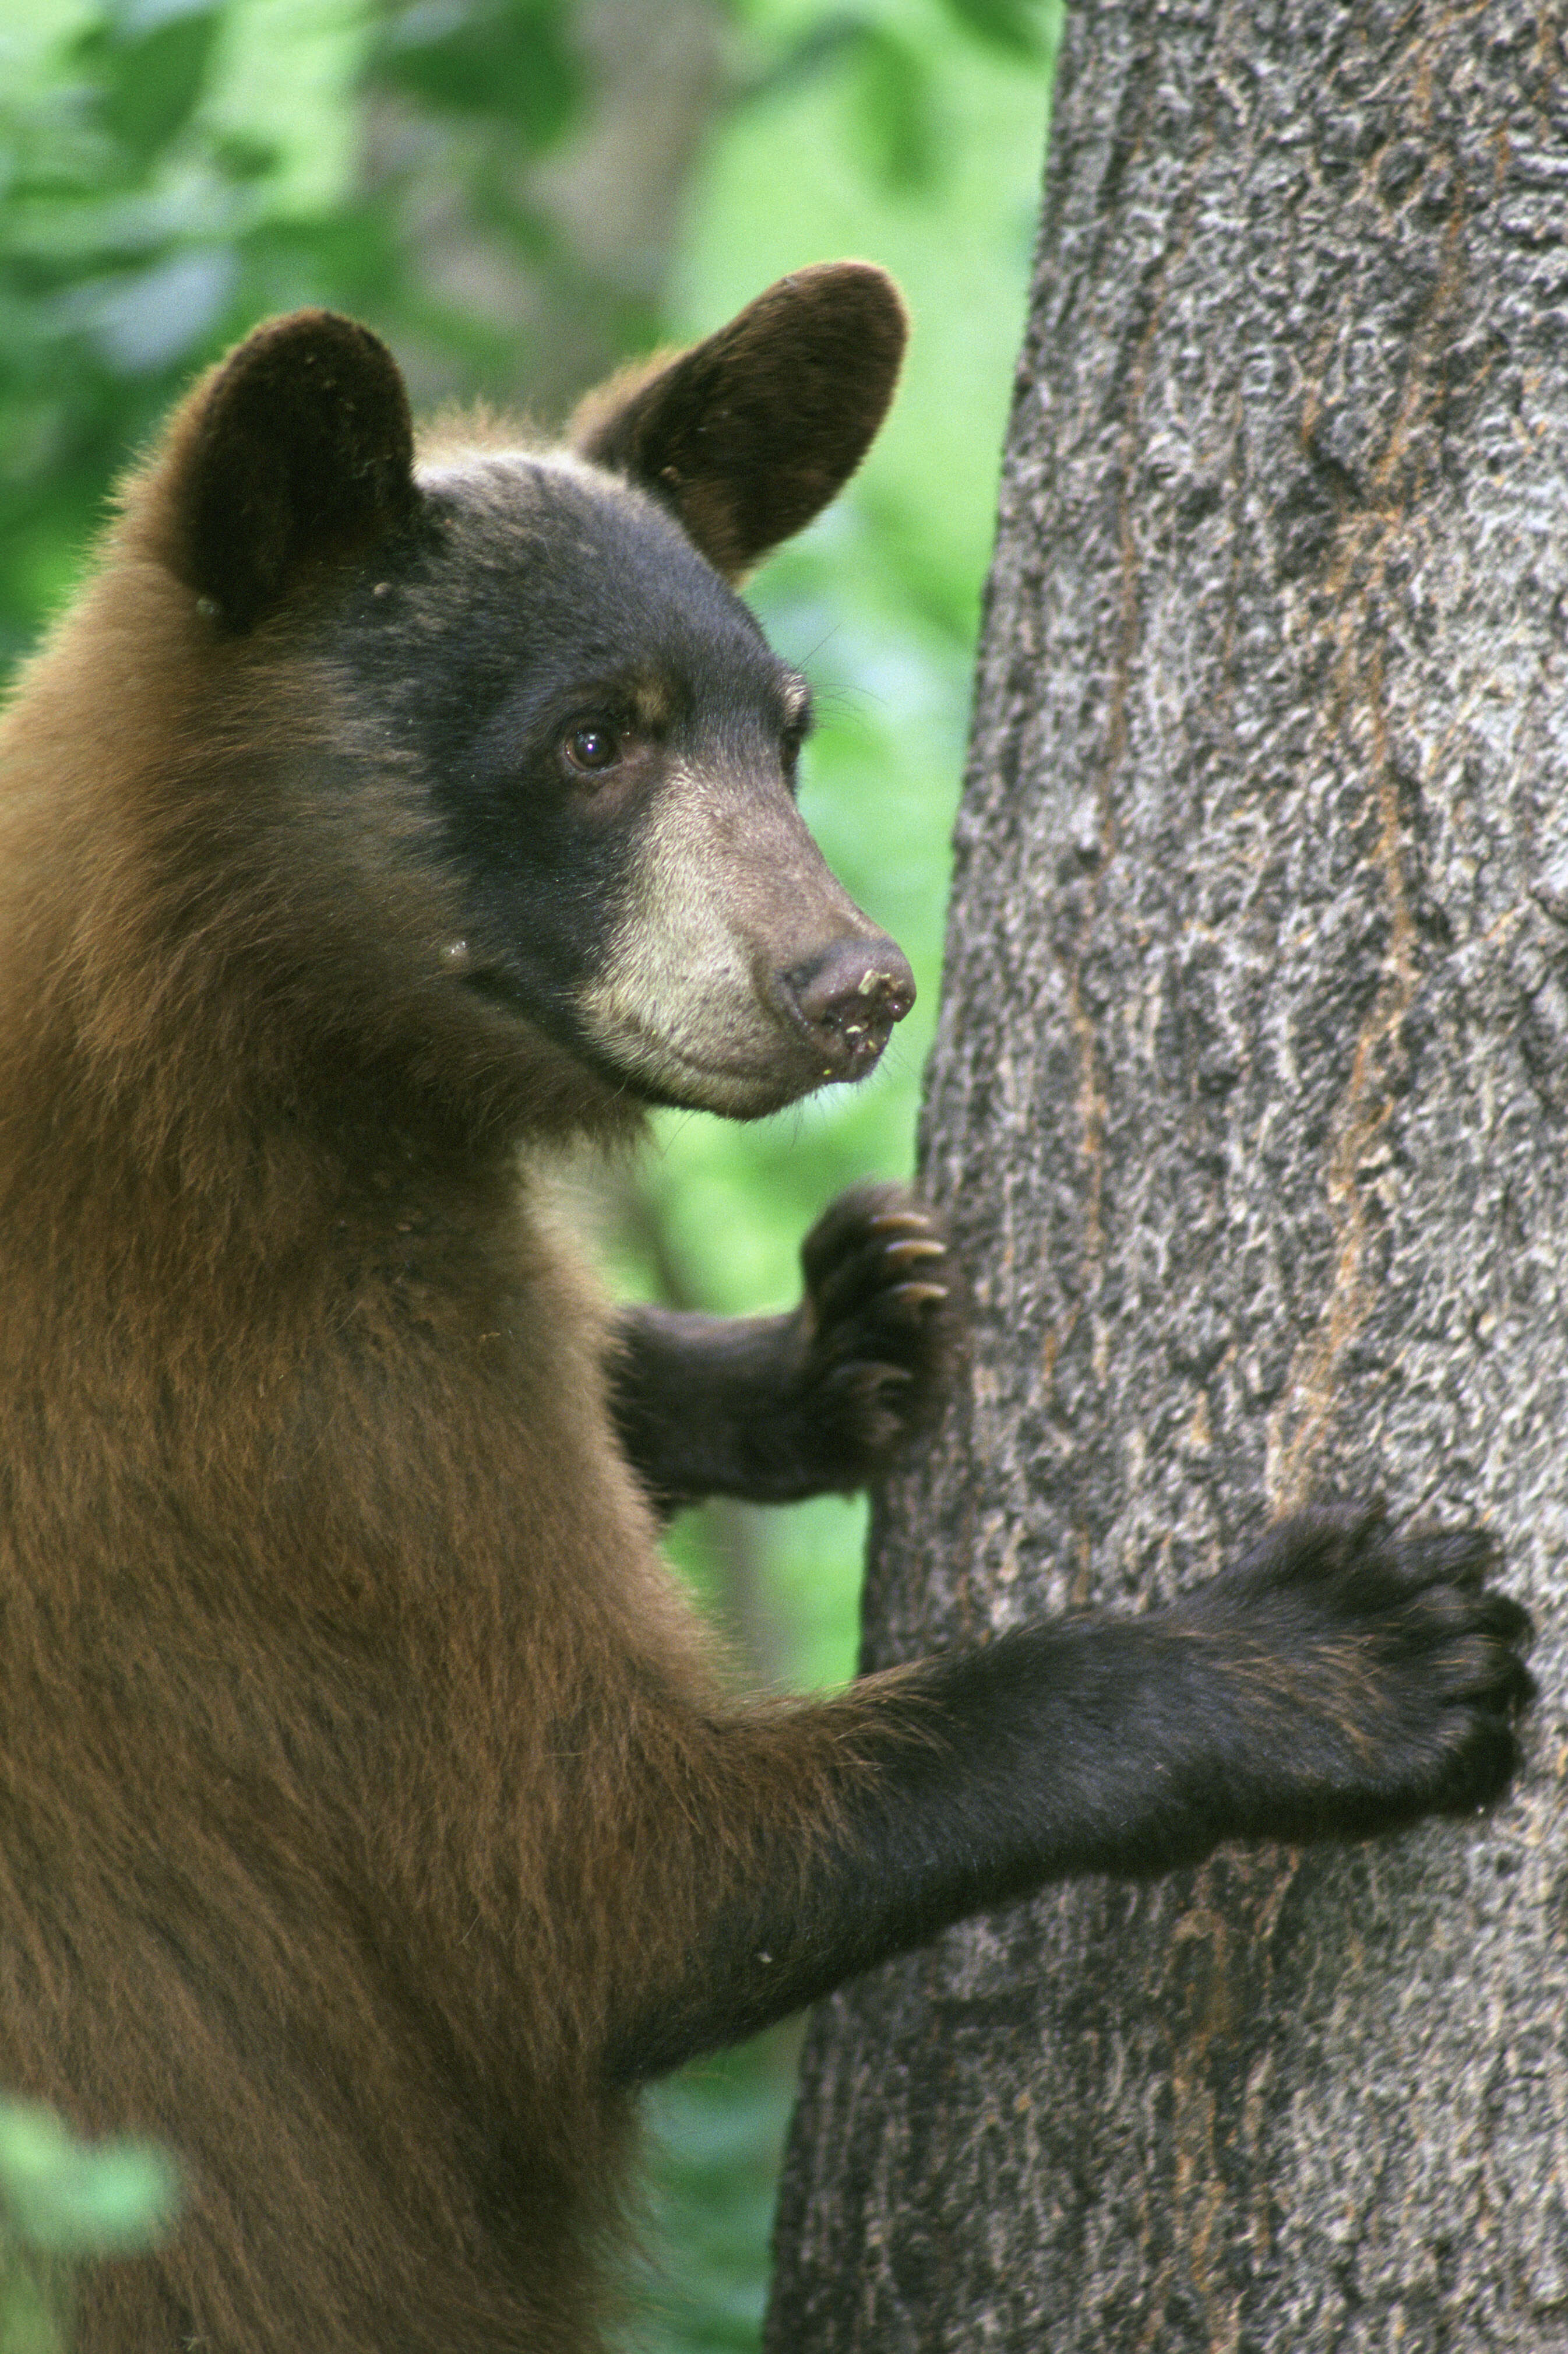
(1249, 1108)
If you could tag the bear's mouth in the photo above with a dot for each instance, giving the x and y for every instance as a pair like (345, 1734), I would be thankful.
(630, 1052)
(783, 1066)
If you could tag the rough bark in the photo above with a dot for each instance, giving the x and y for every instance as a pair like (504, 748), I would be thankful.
(1249, 1108)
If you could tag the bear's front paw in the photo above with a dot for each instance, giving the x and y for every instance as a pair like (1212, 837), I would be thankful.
(1385, 1677)
(876, 1330)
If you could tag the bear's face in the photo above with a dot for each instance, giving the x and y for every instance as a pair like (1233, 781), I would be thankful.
(609, 746)
(542, 658)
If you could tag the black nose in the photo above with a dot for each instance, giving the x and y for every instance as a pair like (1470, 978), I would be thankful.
(849, 998)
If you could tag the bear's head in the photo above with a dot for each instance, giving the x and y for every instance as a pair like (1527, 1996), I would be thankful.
(528, 673)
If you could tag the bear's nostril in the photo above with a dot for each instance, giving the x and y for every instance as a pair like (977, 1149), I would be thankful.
(850, 997)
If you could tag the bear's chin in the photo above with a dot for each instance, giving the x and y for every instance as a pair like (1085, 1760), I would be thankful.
(730, 1092)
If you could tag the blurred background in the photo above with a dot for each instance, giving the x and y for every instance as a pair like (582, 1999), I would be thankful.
(517, 194)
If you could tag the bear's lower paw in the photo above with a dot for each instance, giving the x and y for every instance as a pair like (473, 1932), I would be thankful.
(1377, 1678)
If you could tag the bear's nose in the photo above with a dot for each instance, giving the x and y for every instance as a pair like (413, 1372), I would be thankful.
(848, 998)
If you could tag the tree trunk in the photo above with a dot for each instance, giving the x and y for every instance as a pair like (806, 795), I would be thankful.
(1249, 1108)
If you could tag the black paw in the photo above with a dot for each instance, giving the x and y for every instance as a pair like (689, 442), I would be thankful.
(1384, 1676)
(875, 1331)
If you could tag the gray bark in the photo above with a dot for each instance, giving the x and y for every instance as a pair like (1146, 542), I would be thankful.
(1249, 1108)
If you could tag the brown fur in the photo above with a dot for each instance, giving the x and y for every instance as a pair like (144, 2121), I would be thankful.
(359, 1754)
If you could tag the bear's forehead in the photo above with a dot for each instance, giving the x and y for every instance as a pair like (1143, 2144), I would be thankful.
(516, 507)
(550, 542)
(507, 483)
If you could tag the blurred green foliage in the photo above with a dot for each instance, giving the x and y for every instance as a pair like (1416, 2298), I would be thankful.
(717, 2133)
(513, 60)
(170, 172)
(62, 2198)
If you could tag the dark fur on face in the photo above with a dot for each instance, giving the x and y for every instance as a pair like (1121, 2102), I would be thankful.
(585, 706)
(374, 1818)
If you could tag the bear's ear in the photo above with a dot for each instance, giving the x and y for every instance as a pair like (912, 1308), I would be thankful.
(298, 448)
(748, 434)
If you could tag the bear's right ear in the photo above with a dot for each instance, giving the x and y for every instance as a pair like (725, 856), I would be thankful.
(299, 447)
(748, 434)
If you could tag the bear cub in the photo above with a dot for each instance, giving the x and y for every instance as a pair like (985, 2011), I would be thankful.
(373, 1822)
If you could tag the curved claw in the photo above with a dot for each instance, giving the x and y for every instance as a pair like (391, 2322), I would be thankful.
(906, 1253)
(917, 1295)
(868, 1380)
(887, 1222)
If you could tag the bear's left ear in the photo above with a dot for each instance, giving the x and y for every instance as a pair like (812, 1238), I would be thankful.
(299, 447)
(748, 434)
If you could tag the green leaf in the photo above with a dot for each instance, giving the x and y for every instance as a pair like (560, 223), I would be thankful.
(240, 155)
(508, 58)
(1013, 26)
(75, 2197)
(892, 100)
(819, 49)
(150, 81)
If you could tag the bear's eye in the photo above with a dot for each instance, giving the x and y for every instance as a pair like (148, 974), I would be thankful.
(591, 747)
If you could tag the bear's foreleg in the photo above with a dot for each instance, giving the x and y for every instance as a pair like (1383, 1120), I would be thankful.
(1337, 1684)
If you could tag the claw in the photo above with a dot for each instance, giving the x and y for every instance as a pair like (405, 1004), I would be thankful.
(887, 1222)
(916, 1295)
(871, 1381)
(903, 1254)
